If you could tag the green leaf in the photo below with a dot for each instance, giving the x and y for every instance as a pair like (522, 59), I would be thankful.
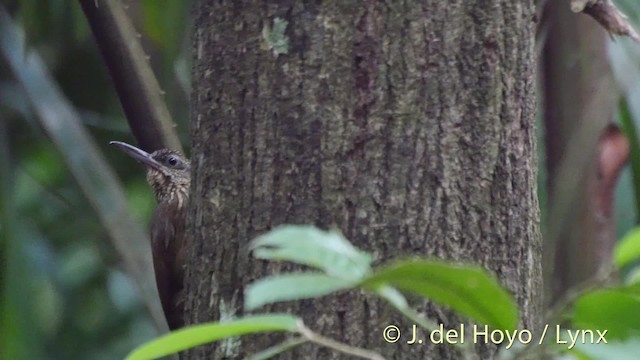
(326, 250)
(614, 310)
(628, 249)
(193, 336)
(292, 287)
(469, 290)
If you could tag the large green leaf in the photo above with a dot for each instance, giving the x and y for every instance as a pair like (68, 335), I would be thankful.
(201, 334)
(628, 249)
(614, 310)
(292, 287)
(326, 250)
(470, 290)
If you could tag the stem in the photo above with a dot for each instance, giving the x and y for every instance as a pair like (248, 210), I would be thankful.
(277, 349)
(398, 301)
(338, 346)
(561, 306)
(571, 295)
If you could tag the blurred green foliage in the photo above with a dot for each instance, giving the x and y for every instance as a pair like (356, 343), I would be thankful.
(63, 292)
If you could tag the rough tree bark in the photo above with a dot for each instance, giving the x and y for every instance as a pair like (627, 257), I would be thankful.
(407, 124)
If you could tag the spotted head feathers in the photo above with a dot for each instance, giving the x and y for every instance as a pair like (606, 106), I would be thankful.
(172, 178)
(168, 171)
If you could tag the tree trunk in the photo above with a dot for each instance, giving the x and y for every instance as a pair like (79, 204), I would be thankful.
(409, 125)
(580, 100)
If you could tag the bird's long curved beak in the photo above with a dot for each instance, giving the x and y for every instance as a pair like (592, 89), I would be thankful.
(138, 154)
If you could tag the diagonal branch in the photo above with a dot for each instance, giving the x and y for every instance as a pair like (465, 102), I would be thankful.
(608, 15)
(135, 83)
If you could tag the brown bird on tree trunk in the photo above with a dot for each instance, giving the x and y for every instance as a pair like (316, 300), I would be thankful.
(168, 173)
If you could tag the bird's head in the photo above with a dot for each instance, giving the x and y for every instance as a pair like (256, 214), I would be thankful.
(168, 172)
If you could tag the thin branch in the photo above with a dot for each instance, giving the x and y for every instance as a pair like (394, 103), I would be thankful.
(608, 15)
(96, 179)
(135, 83)
(555, 312)
(338, 346)
(278, 349)
(571, 295)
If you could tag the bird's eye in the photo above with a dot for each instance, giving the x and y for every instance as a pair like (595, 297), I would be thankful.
(173, 161)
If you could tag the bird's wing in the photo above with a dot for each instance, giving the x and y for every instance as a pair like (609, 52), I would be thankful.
(166, 227)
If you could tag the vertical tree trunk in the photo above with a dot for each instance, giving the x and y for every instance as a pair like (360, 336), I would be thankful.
(407, 124)
(580, 100)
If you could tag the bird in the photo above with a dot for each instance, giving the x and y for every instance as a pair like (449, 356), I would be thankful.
(169, 175)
